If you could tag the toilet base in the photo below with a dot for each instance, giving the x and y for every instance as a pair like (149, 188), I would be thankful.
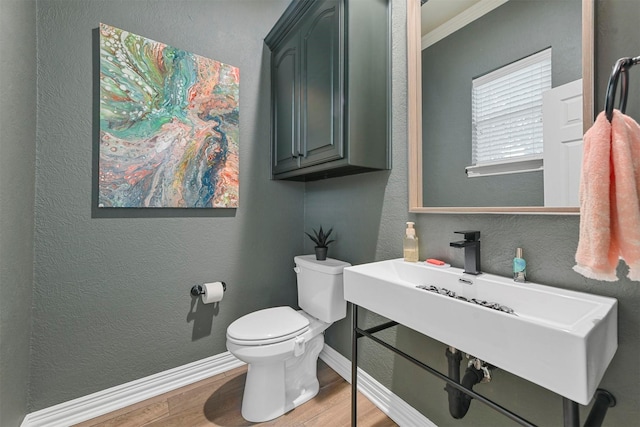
(273, 389)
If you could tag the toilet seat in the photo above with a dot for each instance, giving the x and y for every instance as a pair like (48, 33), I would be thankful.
(268, 326)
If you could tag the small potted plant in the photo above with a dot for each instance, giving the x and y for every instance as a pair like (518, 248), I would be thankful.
(321, 241)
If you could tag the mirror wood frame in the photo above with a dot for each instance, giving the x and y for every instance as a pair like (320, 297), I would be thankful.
(414, 112)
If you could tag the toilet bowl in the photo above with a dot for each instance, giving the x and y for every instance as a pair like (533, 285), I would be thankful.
(282, 369)
(281, 345)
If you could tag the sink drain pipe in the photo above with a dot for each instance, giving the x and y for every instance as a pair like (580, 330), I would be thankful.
(459, 401)
(603, 401)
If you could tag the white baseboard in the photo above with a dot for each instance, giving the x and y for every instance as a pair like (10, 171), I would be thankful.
(87, 407)
(105, 401)
(395, 408)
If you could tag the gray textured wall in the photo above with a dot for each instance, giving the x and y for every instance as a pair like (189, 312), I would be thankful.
(474, 51)
(111, 293)
(617, 36)
(369, 212)
(97, 323)
(17, 182)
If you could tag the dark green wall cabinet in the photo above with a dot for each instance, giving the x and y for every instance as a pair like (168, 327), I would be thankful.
(330, 89)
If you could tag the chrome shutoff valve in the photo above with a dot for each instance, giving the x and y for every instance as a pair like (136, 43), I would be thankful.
(481, 366)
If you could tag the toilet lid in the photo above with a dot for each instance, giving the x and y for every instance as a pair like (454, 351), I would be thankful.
(267, 326)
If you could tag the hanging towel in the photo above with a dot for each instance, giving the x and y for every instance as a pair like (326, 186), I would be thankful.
(625, 158)
(594, 259)
(610, 199)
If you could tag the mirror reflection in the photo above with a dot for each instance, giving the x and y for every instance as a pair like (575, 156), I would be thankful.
(494, 152)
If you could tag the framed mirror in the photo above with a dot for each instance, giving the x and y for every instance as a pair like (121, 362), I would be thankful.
(419, 183)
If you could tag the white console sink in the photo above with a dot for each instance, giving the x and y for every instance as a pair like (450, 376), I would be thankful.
(559, 339)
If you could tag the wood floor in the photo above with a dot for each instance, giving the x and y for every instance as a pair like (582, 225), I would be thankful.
(216, 401)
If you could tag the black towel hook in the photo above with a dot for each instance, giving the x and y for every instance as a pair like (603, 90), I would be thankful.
(621, 67)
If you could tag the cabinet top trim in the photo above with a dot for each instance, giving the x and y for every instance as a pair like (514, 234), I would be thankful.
(289, 18)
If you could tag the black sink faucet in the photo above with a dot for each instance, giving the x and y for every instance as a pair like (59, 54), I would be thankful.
(471, 245)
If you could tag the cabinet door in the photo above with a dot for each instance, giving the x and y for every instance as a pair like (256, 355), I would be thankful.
(285, 105)
(321, 84)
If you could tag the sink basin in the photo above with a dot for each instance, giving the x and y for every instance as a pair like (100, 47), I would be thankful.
(559, 339)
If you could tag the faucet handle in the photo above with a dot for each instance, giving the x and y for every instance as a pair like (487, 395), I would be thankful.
(470, 235)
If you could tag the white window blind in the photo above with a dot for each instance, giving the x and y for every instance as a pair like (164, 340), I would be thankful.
(507, 113)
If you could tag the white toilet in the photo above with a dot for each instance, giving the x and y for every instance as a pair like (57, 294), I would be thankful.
(281, 345)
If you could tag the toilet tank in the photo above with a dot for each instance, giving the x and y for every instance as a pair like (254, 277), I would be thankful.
(320, 289)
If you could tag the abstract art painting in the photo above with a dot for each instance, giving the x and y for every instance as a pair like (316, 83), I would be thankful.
(169, 126)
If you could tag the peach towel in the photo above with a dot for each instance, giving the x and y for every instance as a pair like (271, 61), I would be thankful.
(610, 199)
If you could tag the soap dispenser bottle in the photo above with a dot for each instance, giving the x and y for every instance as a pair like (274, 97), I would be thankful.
(410, 244)
(519, 267)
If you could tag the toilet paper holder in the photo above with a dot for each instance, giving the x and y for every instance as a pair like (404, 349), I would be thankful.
(198, 290)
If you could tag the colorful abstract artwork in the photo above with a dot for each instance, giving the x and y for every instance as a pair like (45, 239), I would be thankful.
(169, 126)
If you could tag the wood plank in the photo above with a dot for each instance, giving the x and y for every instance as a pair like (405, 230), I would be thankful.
(133, 418)
(217, 401)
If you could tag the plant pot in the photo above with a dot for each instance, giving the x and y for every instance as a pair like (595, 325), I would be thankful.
(321, 253)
